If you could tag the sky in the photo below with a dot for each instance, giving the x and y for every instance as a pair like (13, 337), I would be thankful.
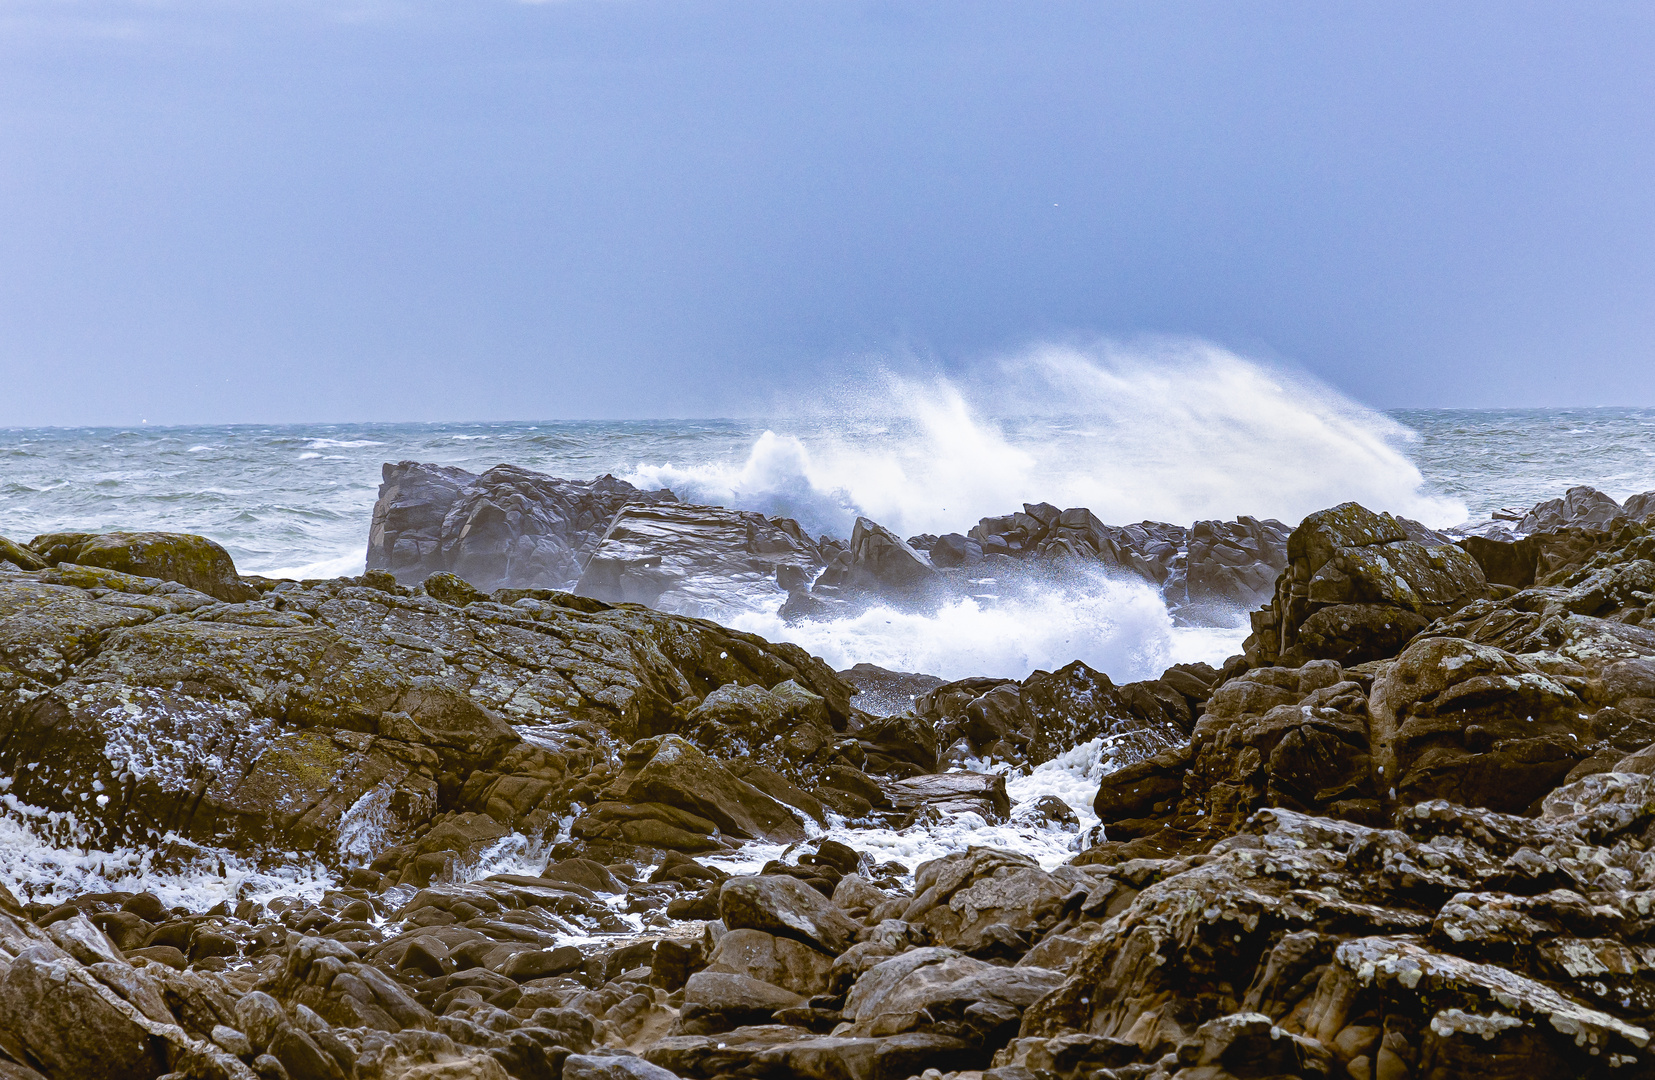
(294, 210)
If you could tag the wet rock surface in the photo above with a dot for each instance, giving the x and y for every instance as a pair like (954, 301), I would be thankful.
(514, 528)
(1412, 841)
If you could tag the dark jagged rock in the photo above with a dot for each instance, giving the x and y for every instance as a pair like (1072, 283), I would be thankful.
(1051, 712)
(334, 708)
(1580, 507)
(1473, 724)
(885, 692)
(882, 562)
(507, 528)
(1505, 562)
(786, 907)
(670, 772)
(1228, 565)
(983, 794)
(1427, 856)
(20, 556)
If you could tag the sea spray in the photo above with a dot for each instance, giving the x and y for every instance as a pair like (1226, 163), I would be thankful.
(1177, 435)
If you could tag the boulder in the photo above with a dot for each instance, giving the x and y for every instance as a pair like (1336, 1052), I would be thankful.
(1504, 562)
(983, 794)
(1149, 549)
(192, 561)
(779, 961)
(788, 908)
(584, 872)
(668, 770)
(62, 1018)
(19, 556)
(718, 1001)
(612, 1067)
(1020, 900)
(956, 550)
(1294, 737)
(507, 528)
(1356, 633)
(886, 693)
(1131, 798)
(939, 991)
(837, 1057)
(785, 729)
(900, 746)
(1076, 704)
(1049, 713)
(1228, 566)
(1351, 557)
(881, 562)
(1580, 507)
(1475, 724)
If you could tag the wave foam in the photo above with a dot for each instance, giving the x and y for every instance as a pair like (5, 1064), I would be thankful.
(349, 565)
(44, 856)
(1116, 626)
(342, 444)
(1072, 777)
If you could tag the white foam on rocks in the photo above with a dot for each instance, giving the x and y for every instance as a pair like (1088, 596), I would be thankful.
(1072, 777)
(45, 856)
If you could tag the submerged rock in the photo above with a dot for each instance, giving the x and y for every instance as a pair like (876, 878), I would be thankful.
(695, 560)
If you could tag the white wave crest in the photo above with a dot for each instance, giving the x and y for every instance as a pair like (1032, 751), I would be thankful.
(345, 565)
(342, 444)
(1176, 433)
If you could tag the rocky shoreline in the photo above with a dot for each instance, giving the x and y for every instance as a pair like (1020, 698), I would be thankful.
(1405, 833)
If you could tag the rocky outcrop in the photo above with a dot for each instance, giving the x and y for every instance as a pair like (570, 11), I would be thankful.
(1358, 587)
(506, 528)
(1227, 565)
(344, 717)
(513, 528)
(1474, 724)
(696, 560)
(885, 693)
(1205, 573)
(19, 556)
(1581, 507)
(667, 786)
(1211, 567)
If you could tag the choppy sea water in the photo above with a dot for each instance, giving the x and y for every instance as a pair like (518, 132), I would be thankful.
(295, 500)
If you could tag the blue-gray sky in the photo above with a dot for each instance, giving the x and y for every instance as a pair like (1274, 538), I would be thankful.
(227, 210)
